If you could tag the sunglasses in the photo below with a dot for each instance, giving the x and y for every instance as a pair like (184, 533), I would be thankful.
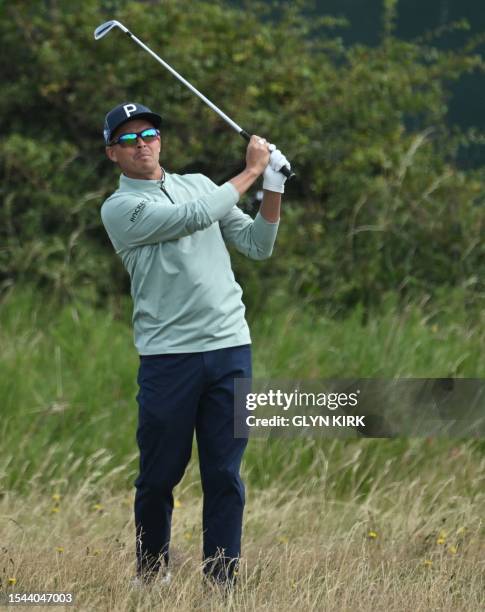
(130, 139)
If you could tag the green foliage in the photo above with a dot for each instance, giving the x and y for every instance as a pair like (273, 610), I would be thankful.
(378, 204)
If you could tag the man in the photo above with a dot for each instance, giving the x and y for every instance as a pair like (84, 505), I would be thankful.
(190, 331)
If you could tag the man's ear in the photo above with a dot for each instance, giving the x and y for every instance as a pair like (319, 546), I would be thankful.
(111, 154)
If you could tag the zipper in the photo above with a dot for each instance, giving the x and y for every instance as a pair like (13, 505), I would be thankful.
(162, 187)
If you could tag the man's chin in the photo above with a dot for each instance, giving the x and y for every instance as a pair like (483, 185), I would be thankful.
(143, 169)
(145, 165)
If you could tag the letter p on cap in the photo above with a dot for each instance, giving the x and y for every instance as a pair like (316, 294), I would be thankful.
(129, 108)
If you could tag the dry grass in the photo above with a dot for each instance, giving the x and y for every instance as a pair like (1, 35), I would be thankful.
(414, 544)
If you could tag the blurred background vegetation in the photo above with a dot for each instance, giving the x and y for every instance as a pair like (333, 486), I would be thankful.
(379, 205)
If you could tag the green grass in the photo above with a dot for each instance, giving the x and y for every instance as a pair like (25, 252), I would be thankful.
(428, 340)
(68, 386)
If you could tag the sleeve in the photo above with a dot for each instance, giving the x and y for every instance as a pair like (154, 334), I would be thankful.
(133, 221)
(253, 238)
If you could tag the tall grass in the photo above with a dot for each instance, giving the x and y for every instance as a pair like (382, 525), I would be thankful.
(329, 524)
(68, 384)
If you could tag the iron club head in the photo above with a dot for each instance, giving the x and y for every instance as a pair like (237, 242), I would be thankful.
(106, 27)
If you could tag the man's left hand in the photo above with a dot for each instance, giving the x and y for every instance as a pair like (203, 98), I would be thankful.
(273, 180)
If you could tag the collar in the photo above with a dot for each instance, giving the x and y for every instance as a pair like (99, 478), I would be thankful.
(130, 184)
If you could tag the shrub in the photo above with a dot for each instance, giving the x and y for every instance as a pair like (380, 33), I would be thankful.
(378, 204)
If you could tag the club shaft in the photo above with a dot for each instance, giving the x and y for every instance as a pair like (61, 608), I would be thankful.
(178, 76)
(284, 170)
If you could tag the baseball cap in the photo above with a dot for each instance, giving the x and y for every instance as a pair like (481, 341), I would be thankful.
(124, 112)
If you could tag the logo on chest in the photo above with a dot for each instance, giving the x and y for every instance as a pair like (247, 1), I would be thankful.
(137, 211)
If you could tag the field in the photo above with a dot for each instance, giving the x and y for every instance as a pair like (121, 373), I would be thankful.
(329, 525)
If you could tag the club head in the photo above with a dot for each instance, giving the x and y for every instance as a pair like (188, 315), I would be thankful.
(106, 27)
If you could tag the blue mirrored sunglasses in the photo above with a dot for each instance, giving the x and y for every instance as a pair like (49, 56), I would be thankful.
(130, 139)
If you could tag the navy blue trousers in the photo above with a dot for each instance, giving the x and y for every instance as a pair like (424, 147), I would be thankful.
(179, 394)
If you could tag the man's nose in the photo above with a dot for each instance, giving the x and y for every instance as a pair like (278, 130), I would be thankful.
(140, 142)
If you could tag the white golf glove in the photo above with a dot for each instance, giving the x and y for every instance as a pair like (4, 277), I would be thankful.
(273, 180)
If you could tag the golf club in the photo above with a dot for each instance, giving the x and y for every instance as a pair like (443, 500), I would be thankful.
(106, 27)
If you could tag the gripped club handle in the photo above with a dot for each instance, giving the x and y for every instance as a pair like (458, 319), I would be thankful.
(284, 170)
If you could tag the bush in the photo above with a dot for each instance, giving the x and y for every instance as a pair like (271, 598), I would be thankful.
(378, 203)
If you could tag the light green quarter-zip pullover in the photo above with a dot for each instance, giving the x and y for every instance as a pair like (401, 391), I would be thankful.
(171, 236)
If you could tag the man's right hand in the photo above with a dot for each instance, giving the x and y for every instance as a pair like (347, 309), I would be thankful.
(257, 158)
(257, 155)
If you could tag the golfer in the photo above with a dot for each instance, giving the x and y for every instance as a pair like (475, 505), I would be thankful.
(171, 231)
